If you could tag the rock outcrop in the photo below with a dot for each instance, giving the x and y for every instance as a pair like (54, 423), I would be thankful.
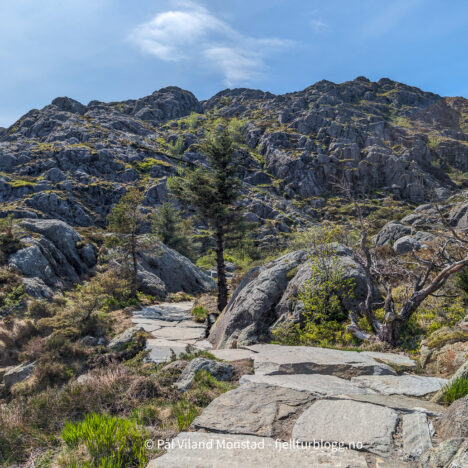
(54, 256)
(267, 296)
(251, 309)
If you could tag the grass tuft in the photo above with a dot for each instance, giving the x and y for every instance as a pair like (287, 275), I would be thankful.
(455, 391)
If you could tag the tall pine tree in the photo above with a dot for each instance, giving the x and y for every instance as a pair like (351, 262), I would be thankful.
(214, 193)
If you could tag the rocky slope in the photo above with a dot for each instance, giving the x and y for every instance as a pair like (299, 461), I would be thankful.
(72, 162)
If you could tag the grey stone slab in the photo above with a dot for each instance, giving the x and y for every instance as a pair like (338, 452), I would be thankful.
(275, 359)
(251, 409)
(348, 422)
(399, 360)
(319, 385)
(162, 350)
(416, 435)
(155, 322)
(166, 311)
(179, 333)
(398, 402)
(191, 324)
(148, 327)
(410, 385)
(232, 354)
(205, 450)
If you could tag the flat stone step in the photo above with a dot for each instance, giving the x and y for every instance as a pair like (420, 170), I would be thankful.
(410, 385)
(166, 311)
(252, 409)
(204, 450)
(275, 359)
(173, 329)
(397, 402)
(416, 435)
(399, 360)
(360, 425)
(180, 333)
(318, 385)
(231, 355)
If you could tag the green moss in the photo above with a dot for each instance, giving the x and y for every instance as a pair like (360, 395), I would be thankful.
(146, 165)
(437, 340)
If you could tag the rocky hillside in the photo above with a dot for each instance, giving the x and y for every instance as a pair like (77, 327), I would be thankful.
(95, 367)
(73, 162)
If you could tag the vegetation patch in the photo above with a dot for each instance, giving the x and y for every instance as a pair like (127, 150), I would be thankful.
(455, 391)
(109, 440)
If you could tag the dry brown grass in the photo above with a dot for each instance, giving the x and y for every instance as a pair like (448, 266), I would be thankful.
(13, 334)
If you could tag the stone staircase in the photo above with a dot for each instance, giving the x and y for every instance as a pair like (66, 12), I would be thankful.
(302, 407)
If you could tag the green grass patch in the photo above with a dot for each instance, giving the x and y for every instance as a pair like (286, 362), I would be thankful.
(111, 441)
(200, 313)
(455, 391)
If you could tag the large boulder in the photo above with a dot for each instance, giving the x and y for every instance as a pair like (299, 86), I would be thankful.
(174, 272)
(406, 244)
(454, 422)
(268, 296)
(445, 350)
(290, 309)
(251, 309)
(390, 233)
(451, 453)
(54, 257)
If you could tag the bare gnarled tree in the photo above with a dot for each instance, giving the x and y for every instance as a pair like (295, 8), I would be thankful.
(427, 271)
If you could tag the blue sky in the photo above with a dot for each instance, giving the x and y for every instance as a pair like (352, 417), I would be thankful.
(121, 49)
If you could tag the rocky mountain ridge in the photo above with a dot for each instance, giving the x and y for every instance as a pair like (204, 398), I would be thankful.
(73, 162)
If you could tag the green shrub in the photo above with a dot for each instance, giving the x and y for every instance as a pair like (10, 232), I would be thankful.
(200, 313)
(39, 308)
(9, 245)
(456, 390)
(176, 148)
(11, 292)
(111, 441)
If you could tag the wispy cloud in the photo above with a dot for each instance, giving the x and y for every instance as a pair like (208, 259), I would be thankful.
(318, 25)
(190, 33)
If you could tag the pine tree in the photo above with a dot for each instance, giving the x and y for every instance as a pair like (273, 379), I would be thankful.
(170, 230)
(214, 193)
(124, 222)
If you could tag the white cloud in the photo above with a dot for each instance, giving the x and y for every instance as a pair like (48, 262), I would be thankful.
(318, 25)
(192, 33)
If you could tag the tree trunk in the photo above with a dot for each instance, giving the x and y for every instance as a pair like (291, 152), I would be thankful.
(135, 267)
(222, 284)
(390, 331)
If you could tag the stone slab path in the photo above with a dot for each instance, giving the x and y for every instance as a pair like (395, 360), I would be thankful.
(329, 408)
(172, 328)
